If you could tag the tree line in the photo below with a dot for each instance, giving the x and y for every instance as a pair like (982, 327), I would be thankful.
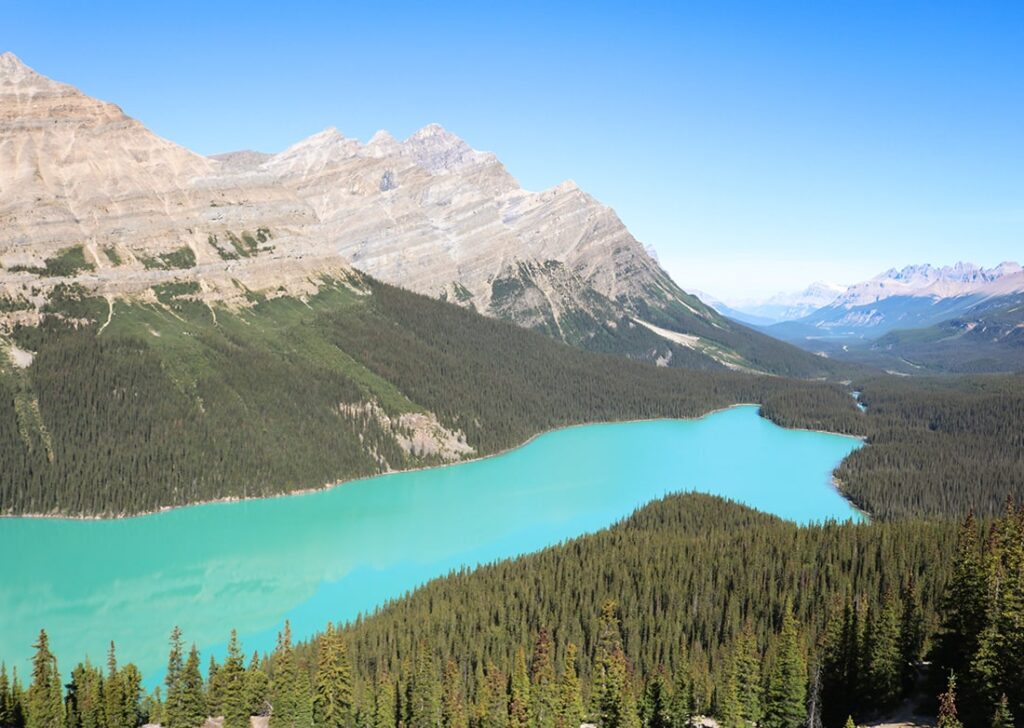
(693, 606)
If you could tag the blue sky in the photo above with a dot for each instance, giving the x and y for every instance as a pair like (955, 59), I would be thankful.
(758, 146)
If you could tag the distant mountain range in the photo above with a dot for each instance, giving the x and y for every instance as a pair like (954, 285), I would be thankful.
(921, 318)
(90, 197)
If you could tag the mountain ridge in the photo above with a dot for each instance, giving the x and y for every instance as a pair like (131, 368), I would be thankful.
(99, 201)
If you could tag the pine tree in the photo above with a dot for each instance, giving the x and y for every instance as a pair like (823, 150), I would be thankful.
(113, 699)
(614, 702)
(214, 689)
(384, 701)
(850, 723)
(786, 697)
(681, 706)
(289, 687)
(884, 659)
(84, 703)
(544, 685)
(748, 676)
(912, 634)
(6, 700)
(174, 705)
(727, 699)
(453, 704)
(519, 700)
(965, 607)
(1003, 718)
(947, 705)
(193, 696)
(235, 703)
(495, 713)
(131, 692)
(332, 704)
(424, 703)
(257, 688)
(570, 699)
(656, 703)
(45, 694)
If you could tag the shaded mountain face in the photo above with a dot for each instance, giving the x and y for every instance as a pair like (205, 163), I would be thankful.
(90, 197)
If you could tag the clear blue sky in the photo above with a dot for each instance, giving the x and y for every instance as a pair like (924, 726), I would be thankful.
(756, 145)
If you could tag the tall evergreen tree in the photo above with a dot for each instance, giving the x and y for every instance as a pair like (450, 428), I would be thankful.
(113, 698)
(570, 698)
(519, 698)
(543, 685)
(385, 698)
(884, 660)
(257, 687)
(453, 702)
(193, 694)
(748, 675)
(84, 703)
(6, 700)
(786, 698)
(681, 706)
(424, 703)
(332, 703)
(655, 709)
(131, 695)
(174, 711)
(727, 696)
(1003, 718)
(912, 634)
(234, 701)
(45, 695)
(289, 687)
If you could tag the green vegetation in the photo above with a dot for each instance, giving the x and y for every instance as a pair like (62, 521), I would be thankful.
(112, 255)
(182, 258)
(692, 606)
(269, 399)
(67, 262)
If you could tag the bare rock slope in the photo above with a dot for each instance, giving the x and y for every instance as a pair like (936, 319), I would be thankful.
(89, 196)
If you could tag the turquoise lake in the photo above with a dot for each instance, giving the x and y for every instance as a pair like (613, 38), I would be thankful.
(332, 554)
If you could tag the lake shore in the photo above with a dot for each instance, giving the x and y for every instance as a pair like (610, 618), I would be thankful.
(339, 483)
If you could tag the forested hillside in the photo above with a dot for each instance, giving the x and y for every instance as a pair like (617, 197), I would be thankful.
(173, 402)
(693, 606)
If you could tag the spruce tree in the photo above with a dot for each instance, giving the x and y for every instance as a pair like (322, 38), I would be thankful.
(1003, 718)
(113, 697)
(131, 695)
(453, 704)
(947, 705)
(543, 685)
(786, 697)
(384, 701)
(884, 661)
(681, 706)
(174, 704)
(291, 705)
(6, 700)
(332, 703)
(727, 696)
(655, 709)
(748, 676)
(495, 714)
(257, 687)
(193, 695)
(570, 699)
(424, 702)
(45, 694)
(965, 605)
(234, 700)
(912, 634)
(519, 699)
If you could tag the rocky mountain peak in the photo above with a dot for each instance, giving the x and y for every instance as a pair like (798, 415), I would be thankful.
(13, 70)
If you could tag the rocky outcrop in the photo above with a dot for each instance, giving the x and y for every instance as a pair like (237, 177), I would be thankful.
(90, 196)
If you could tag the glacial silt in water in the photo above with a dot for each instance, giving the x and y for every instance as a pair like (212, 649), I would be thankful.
(332, 554)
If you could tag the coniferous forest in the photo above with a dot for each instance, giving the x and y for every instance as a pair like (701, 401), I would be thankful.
(693, 606)
(269, 399)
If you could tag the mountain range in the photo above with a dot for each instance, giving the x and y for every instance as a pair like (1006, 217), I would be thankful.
(91, 197)
(922, 318)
